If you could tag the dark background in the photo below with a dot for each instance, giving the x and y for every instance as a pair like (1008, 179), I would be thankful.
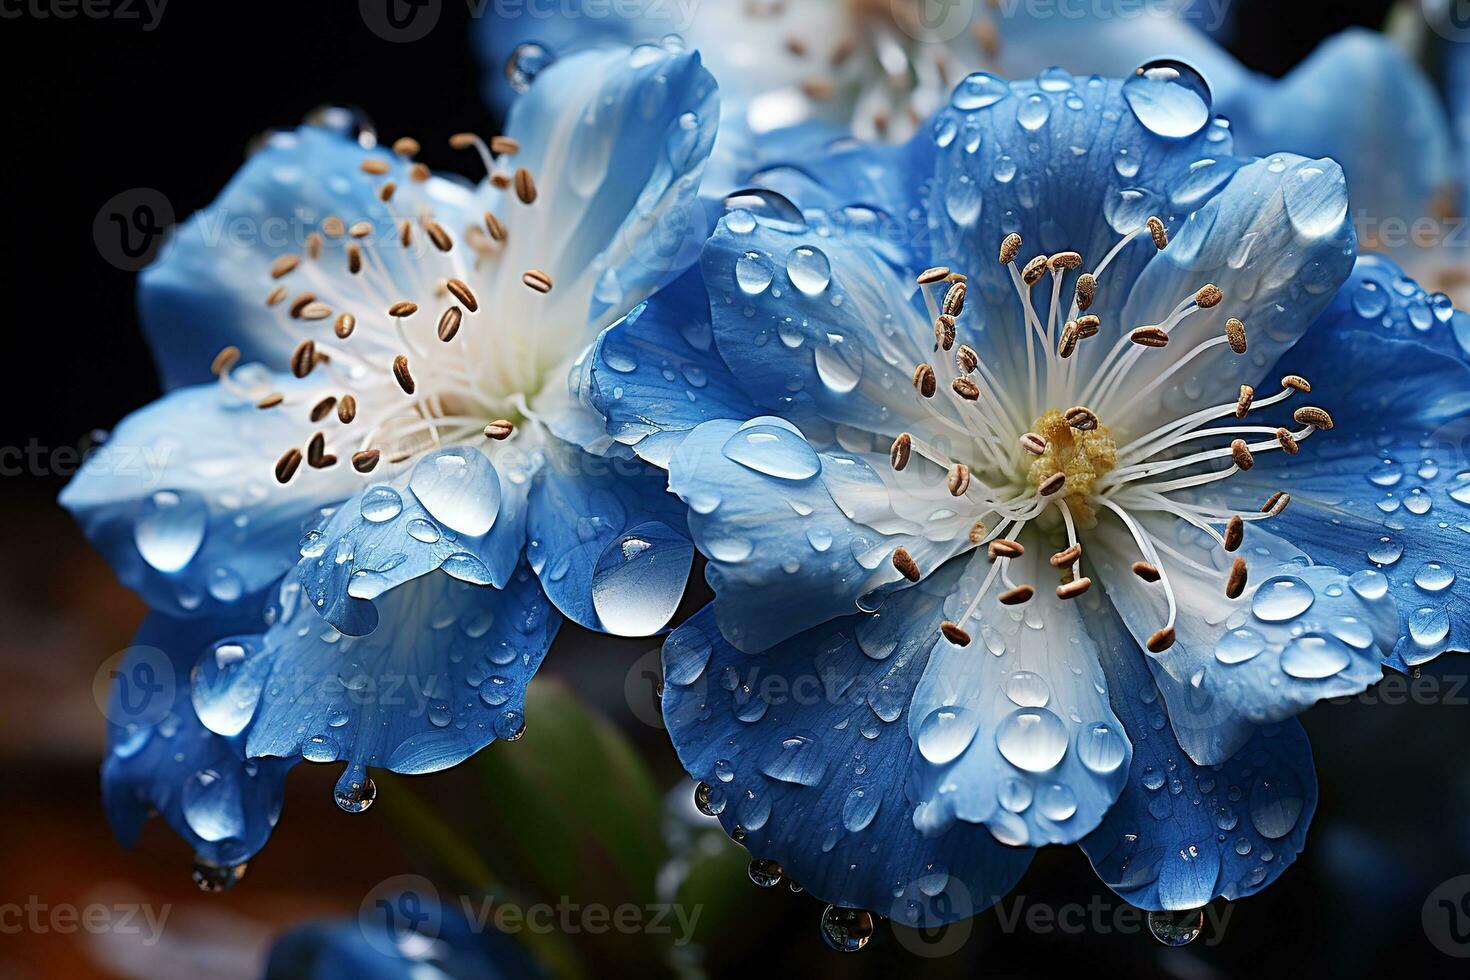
(92, 108)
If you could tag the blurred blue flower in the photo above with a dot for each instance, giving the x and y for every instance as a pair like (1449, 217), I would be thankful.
(381, 455)
(1051, 549)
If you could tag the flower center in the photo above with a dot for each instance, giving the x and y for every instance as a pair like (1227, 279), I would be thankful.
(1078, 473)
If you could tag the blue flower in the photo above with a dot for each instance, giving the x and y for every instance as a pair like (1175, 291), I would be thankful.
(1051, 549)
(381, 457)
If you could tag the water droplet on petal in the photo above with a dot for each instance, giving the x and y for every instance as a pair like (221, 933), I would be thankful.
(1169, 98)
(846, 930)
(1033, 739)
(1282, 598)
(1176, 928)
(170, 529)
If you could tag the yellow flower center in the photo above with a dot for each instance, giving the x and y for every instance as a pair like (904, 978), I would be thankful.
(1081, 456)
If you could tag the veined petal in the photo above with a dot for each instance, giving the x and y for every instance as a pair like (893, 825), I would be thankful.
(609, 543)
(442, 676)
(182, 501)
(1182, 834)
(1014, 730)
(656, 374)
(461, 509)
(794, 537)
(161, 759)
(804, 750)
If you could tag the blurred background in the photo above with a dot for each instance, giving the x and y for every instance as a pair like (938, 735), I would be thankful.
(591, 810)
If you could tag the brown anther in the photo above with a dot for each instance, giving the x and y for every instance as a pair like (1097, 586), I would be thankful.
(405, 233)
(944, 331)
(303, 358)
(462, 141)
(1034, 270)
(1314, 416)
(1010, 247)
(1234, 533)
(1159, 232)
(1086, 290)
(438, 236)
(320, 410)
(495, 227)
(365, 461)
(966, 389)
(1088, 326)
(401, 375)
(333, 227)
(904, 562)
(936, 274)
(525, 186)
(537, 280)
(977, 532)
(1288, 442)
(1018, 596)
(376, 167)
(1033, 444)
(275, 296)
(1235, 583)
(346, 323)
(1208, 297)
(1276, 503)
(1161, 640)
(287, 465)
(1146, 571)
(898, 454)
(499, 429)
(315, 311)
(1150, 337)
(227, 358)
(354, 259)
(403, 308)
(1082, 419)
(1240, 453)
(314, 243)
(1297, 382)
(346, 409)
(1006, 548)
(1235, 333)
(271, 401)
(419, 172)
(360, 229)
(924, 381)
(504, 145)
(386, 192)
(1067, 556)
(954, 299)
(954, 634)
(461, 292)
(1052, 484)
(1064, 261)
(449, 324)
(966, 359)
(1243, 403)
(1067, 345)
(300, 303)
(316, 448)
(500, 181)
(1074, 588)
(283, 265)
(406, 146)
(959, 480)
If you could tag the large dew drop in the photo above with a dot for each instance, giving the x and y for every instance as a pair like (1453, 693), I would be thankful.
(1282, 598)
(946, 732)
(639, 579)
(1169, 98)
(170, 529)
(1032, 739)
(846, 930)
(459, 488)
(774, 451)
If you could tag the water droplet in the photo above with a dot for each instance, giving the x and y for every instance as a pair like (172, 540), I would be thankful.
(979, 90)
(1275, 806)
(1169, 98)
(1034, 112)
(946, 732)
(459, 488)
(1101, 748)
(1015, 794)
(1428, 625)
(1434, 577)
(639, 579)
(1033, 739)
(775, 451)
(422, 530)
(1282, 598)
(765, 873)
(355, 791)
(753, 273)
(211, 877)
(809, 269)
(1176, 928)
(1238, 646)
(709, 800)
(170, 529)
(510, 725)
(859, 809)
(1056, 802)
(846, 930)
(1312, 657)
(381, 504)
(1028, 689)
(525, 63)
(839, 364)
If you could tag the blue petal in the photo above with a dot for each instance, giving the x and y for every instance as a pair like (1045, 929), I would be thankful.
(1014, 730)
(610, 545)
(656, 374)
(795, 537)
(456, 510)
(442, 676)
(183, 501)
(1181, 834)
(207, 290)
(161, 759)
(618, 164)
(798, 757)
